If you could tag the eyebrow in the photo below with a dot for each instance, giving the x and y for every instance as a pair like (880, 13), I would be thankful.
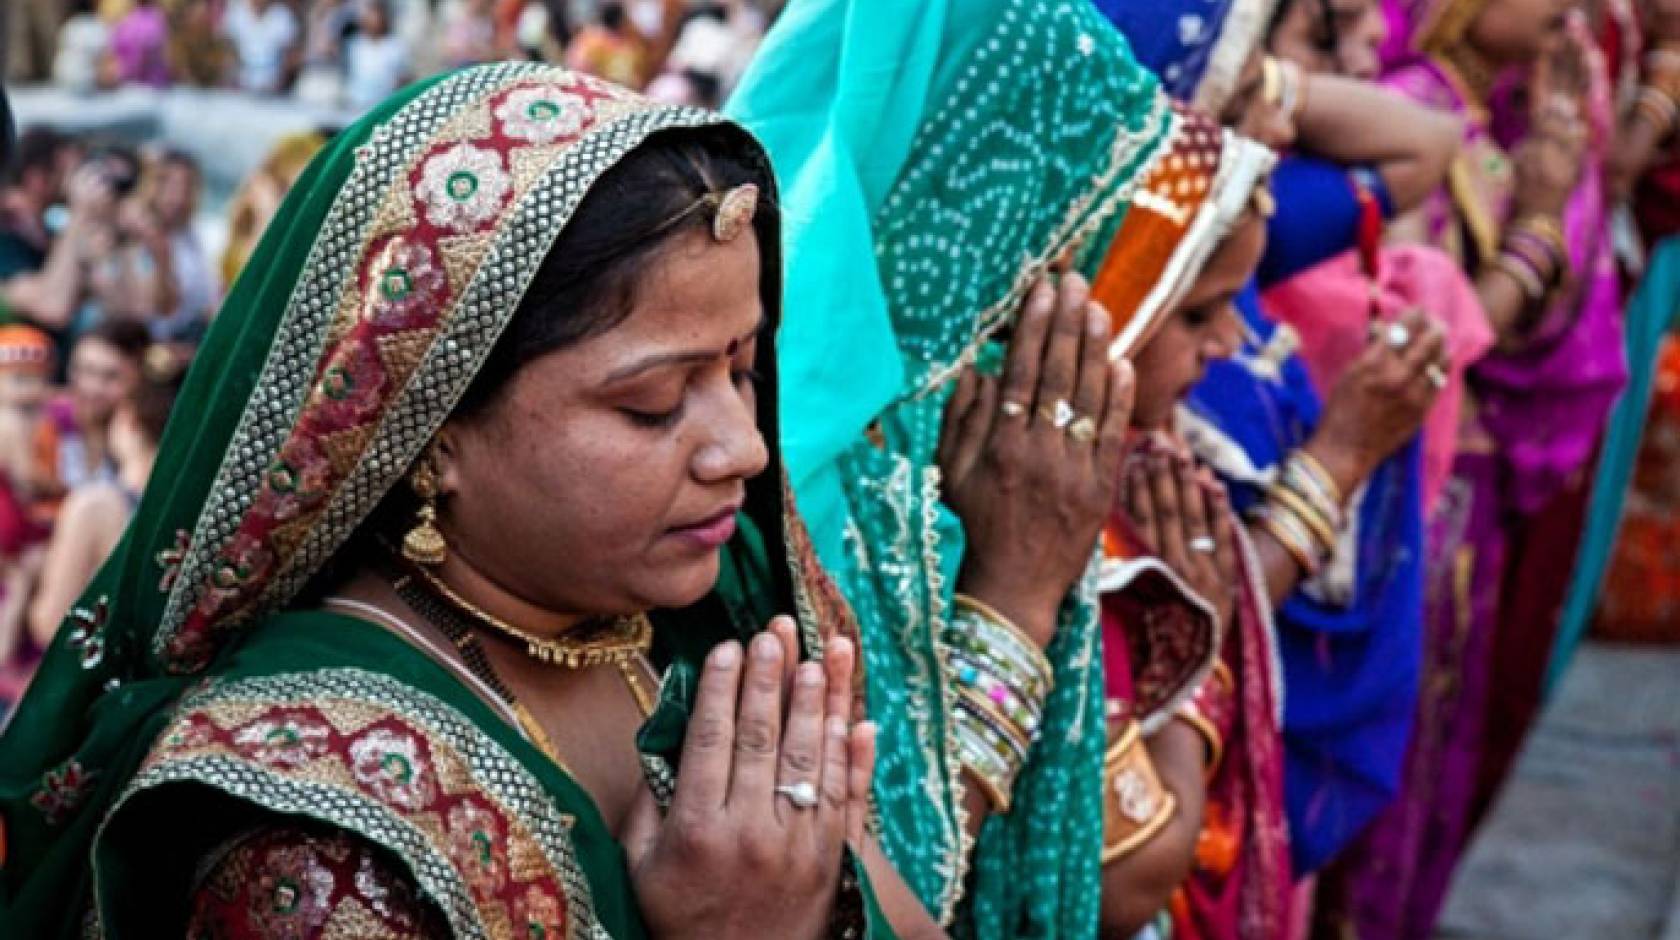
(664, 360)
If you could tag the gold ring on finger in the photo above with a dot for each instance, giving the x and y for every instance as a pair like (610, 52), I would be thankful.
(1083, 430)
(1060, 415)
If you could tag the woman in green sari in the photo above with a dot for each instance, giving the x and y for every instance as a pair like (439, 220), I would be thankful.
(473, 447)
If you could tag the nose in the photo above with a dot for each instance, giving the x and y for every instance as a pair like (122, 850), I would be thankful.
(734, 448)
(1222, 340)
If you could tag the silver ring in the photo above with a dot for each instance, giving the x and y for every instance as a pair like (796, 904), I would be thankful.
(803, 795)
(1398, 336)
(1204, 544)
(1012, 409)
(1436, 375)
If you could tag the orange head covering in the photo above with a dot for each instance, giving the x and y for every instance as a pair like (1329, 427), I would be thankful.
(25, 347)
(1184, 207)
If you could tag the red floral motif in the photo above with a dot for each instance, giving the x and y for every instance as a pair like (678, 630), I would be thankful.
(286, 740)
(62, 791)
(477, 848)
(392, 766)
(447, 189)
(540, 913)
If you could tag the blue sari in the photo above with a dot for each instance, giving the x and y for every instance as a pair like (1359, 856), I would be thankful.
(1351, 649)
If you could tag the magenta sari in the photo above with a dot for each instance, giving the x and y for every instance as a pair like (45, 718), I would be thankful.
(1531, 422)
(1241, 885)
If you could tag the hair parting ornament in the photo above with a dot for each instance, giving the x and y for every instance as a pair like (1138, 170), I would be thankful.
(732, 212)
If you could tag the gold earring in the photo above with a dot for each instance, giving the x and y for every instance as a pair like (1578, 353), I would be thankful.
(424, 544)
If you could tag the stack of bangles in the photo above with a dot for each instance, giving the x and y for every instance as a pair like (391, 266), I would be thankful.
(1535, 255)
(1302, 511)
(1136, 804)
(1658, 101)
(1002, 680)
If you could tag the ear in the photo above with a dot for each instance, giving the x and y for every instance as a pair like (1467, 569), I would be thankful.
(445, 454)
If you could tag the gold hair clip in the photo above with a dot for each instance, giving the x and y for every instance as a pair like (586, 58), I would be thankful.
(735, 212)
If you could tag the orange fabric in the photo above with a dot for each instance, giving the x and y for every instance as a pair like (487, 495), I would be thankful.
(1167, 201)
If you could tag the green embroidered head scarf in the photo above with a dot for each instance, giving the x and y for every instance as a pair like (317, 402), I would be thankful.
(938, 157)
(371, 303)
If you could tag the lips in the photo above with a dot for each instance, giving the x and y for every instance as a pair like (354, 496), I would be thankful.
(713, 531)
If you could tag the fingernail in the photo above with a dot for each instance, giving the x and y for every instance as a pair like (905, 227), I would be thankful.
(810, 674)
(726, 654)
(766, 648)
(836, 726)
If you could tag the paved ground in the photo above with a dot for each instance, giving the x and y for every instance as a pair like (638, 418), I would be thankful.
(1585, 842)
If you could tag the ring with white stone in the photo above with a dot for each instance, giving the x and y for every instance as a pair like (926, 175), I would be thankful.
(803, 795)
(1399, 337)
(1204, 544)
(1436, 375)
(1060, 415)
(1012, 409)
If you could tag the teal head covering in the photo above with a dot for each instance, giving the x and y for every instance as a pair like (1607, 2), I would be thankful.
(938, 157)
(372, 302)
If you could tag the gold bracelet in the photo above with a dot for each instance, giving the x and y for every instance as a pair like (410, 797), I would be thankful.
(1136, 805)
(1315, 522)
(1545, 228)
(1297, 543)
(1315, 469)
(1192, 715)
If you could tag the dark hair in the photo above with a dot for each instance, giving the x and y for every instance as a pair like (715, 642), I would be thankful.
(1325, 42)
(154, 396)
(612, 16)
(37, 149)
(128, 337)
(587, 283)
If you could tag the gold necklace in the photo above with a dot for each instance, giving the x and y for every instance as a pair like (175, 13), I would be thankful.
(620, 642)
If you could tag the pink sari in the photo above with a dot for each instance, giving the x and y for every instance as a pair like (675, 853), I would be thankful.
(1329, 308)
(1241, 886)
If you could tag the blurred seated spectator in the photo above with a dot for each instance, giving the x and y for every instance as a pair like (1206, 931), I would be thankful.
(171, 191)
(611, 47)
(26, 364)
(469, 32)
(81, 64)
(716, 41)
(265, 39)
(259, 196)
(376, 59)
(328, 25)
(30, 29)
(56, 296)
(72, 439)
(94, 515)
(30, 185)
(198, 52)
(140, 46)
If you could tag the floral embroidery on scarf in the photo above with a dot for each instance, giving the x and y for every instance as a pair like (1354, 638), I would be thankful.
(463, 187)
(171, 559)
(366, 767)
(63, 789)
(406, 279)
(87, 632)
(542, 113)
(283, 740)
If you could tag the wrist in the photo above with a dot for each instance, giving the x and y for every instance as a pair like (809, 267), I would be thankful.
(1347, 466)
(1027, 608)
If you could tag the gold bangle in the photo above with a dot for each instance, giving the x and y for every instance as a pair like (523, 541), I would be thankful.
(1314, 521)
(1136, 805)
(1545, 228)
(1315, 469)
(1199, 723)
(1298, 545)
